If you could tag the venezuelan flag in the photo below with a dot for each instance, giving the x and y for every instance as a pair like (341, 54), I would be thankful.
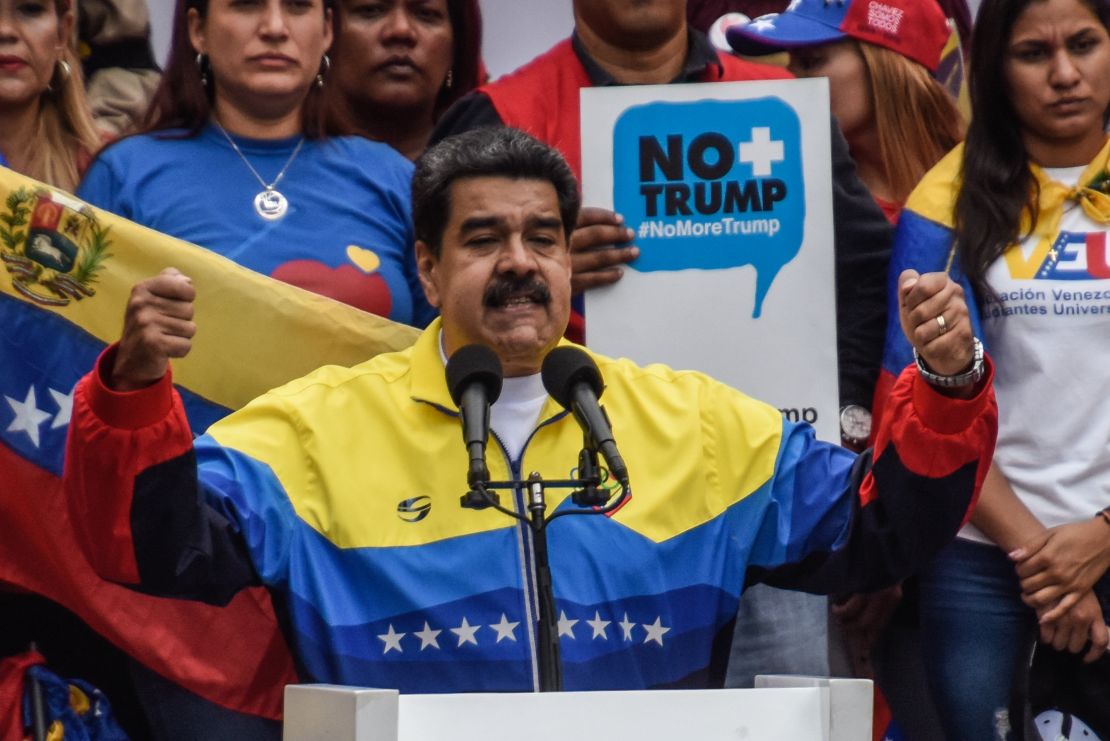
(66, 277)
(925, 242)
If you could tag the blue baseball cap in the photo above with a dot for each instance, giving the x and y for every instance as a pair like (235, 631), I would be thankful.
(916, 29)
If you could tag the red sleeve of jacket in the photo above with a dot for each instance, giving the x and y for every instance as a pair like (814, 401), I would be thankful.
(936, 435)
(114, 436)
(900, 503)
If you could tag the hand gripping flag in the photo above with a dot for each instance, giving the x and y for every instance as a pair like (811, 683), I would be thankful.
(66, 276)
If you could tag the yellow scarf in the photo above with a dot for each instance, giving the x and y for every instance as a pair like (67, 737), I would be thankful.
(1091, 194)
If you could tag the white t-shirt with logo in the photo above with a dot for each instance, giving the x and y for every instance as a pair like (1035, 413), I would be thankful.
(1049, 336)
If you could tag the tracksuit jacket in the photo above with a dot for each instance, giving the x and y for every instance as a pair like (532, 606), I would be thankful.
(340, 493)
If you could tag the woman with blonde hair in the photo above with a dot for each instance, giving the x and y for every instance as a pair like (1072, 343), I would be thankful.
(898, 120)
(46, 128)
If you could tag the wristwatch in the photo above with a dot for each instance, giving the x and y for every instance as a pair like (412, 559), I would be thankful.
(855, 424)
(967, 378)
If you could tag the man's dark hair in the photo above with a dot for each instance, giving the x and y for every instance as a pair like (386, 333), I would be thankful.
(486, 152)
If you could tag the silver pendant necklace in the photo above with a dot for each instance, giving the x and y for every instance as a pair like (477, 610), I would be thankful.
(270, 204)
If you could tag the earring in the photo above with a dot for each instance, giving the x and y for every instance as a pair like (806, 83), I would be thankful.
(325, 67)
(202, 69)
(61, 74)
(450, 79)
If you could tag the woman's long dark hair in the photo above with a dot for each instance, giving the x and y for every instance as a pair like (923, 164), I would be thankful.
(182, 101)
(997, 185)
(466, 67)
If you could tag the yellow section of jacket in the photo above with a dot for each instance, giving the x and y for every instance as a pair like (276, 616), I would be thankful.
(349, 444)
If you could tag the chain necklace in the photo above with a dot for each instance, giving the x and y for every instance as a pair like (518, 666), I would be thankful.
(270, 204)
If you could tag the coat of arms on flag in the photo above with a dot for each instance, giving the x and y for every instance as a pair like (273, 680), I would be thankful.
(52, 245)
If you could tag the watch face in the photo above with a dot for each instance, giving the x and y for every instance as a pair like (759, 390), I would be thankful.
(855, 422)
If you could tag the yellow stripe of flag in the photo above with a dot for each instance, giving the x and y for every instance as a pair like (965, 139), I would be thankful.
(254, 333)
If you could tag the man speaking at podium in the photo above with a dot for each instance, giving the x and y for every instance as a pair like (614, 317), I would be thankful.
(340, 492)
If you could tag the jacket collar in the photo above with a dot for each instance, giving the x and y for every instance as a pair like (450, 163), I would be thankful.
(428, 381)
(429, 384)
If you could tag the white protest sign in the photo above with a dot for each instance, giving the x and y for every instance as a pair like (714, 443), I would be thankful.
(728, 188)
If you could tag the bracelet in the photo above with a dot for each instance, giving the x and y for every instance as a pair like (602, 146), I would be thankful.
(972, 375)
(1104, 514)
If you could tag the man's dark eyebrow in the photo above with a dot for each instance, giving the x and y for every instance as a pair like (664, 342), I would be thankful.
(479, 222)
(545, 222)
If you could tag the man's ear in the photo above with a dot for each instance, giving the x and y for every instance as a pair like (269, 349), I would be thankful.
(426, 264)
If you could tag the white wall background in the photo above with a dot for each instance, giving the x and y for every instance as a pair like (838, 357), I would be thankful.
(514, 31)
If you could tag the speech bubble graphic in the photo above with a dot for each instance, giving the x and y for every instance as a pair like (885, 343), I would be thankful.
(712, 185)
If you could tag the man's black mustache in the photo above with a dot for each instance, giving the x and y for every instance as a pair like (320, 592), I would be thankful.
(502, 289)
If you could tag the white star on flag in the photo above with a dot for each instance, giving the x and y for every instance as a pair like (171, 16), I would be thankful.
(566, 625)
(655, 631)
(428, 637)
(626, 627)
(28, 417)
(392, 640)
(505, 629)
(466, 632)
(599, 625)
(65, 408)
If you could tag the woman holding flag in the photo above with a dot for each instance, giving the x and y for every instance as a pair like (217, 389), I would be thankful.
(1020, 214)
(241, 156)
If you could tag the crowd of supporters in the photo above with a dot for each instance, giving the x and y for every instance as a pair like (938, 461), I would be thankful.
(312, 111)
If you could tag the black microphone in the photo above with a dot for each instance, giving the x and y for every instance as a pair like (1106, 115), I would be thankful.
(572, 378)
(474, 380)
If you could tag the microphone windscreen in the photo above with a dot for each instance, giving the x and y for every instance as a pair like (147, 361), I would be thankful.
(566, 366)
(474, 364)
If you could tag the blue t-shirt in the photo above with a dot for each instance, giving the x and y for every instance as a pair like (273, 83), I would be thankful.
(347, 234)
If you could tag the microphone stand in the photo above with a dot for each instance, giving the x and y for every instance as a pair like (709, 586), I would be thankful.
(591, 500)
(551, 665)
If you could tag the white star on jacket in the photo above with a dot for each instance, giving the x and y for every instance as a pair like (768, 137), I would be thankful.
(428, 637)
(599, 625)
(655, 631)
(505, 629)
(28, 417)
(566, 625)
(466, 632)
(626, 627)
(392, 640)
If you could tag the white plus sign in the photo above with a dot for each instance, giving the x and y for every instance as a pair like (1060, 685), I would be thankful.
(761, 152)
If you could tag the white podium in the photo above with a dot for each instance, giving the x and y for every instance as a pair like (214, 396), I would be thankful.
(779, 709)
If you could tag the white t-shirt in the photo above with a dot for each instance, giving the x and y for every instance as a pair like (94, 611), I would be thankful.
(515, 413)
(517, 410)
(1049, 336)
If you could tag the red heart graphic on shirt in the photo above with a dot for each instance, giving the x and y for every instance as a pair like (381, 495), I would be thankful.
(345, 283)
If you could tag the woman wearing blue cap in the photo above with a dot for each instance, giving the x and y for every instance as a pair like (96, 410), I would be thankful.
(878, 57)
